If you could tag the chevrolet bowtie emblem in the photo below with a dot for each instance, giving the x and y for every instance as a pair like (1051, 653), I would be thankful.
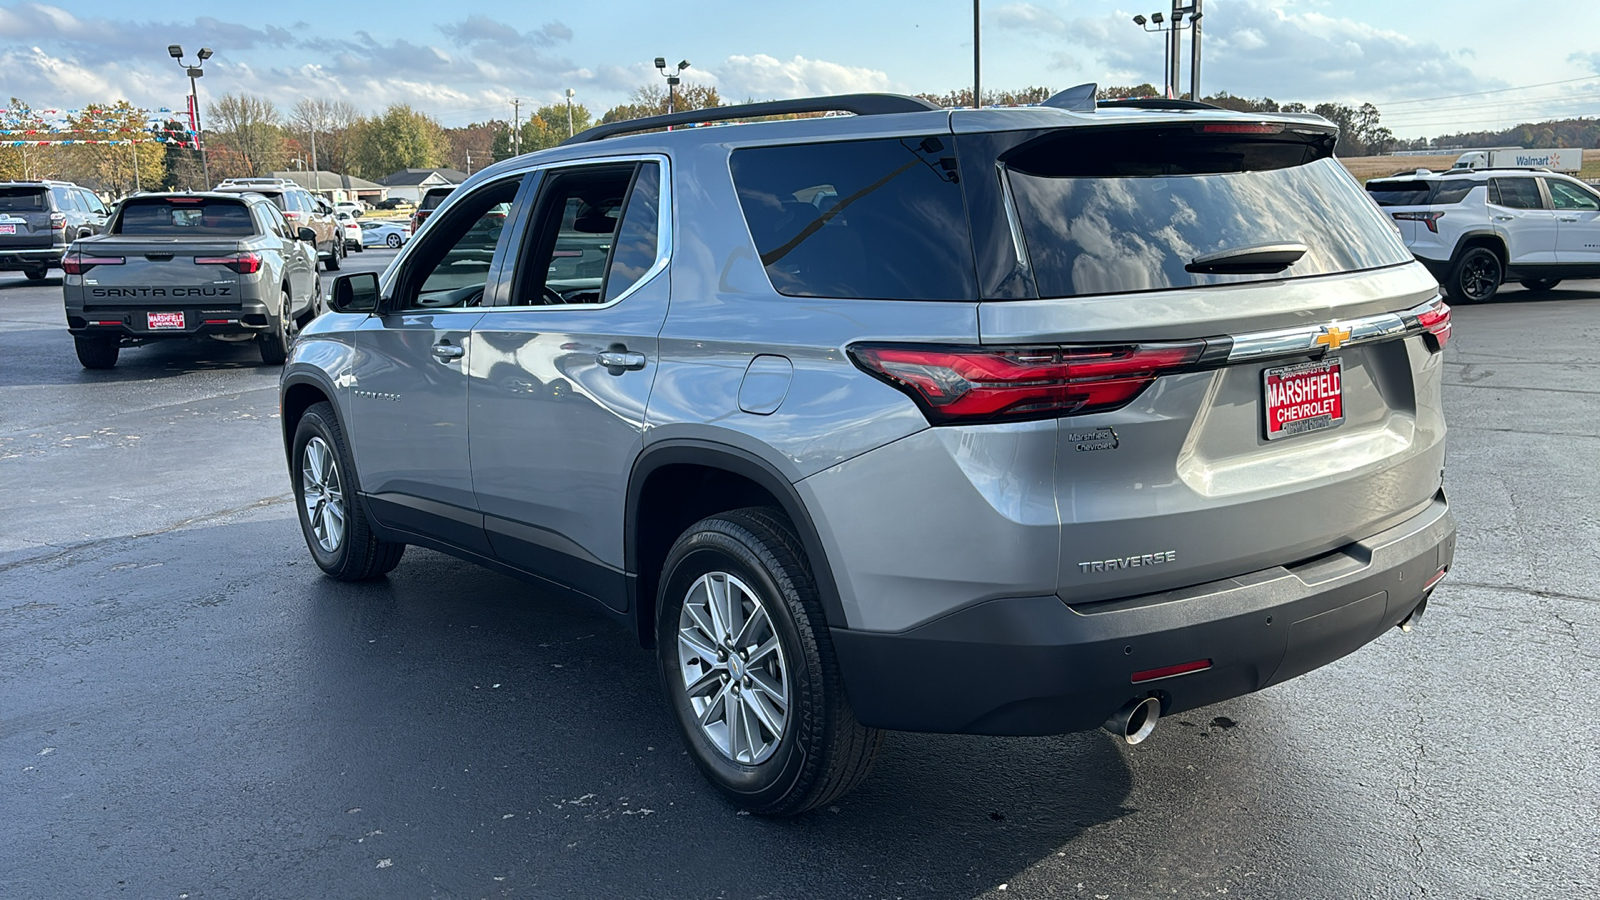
(1333, 337)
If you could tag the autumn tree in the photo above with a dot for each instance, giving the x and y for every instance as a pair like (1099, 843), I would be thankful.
(245, 137)
(325, 128)
(26, 162)
(963, 97)
(118, 168)
(651, 100)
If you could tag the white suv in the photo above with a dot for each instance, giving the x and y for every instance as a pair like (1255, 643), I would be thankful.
(1475, 229)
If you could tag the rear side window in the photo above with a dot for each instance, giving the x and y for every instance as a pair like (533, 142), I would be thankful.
(1399, 193)
(1515, 193)
(1452, 191)
(209, 217)
(880, 219)
(22, 199)
(1129, 212)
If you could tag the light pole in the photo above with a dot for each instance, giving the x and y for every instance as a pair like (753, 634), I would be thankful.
(1171, 59)
(570, 94)
(195, 71)
(977, 59)
(672, 80)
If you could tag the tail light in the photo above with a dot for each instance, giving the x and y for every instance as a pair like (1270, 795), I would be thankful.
(1430, 219)
(981, 384)
(243, 263)
(58, 221)
(77, 263)
(1436, 320)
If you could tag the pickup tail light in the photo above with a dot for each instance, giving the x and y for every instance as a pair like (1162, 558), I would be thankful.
(243, 263)
(1436, 321)
(962, 385)
(77, 263)
(1430, 219)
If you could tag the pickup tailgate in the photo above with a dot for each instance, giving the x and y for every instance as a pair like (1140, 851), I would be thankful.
(119, 271)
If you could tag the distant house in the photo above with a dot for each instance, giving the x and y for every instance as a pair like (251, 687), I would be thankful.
(411, 184)
(336, 187)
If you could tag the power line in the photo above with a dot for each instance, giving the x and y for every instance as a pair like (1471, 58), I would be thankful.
(1498, 91)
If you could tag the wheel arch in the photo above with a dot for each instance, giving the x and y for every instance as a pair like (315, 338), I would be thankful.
(678, 482)
(300, 391)
(1482, 238)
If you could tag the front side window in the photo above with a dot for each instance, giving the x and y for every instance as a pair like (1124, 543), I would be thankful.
(1566, 195)
(593, 235)
(1515, 193)
(451, 268)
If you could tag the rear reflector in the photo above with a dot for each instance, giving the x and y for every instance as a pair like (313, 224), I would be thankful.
(982, 384)
(1434, 580)
(77, 263)
(243, 263)
(218, 321)
(1199, 665)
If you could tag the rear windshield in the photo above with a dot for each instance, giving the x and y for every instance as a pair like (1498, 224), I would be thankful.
(22, 199)
(1112, 214)
(877, 219)
(1420, 193)
(433, 198)
(208, 217)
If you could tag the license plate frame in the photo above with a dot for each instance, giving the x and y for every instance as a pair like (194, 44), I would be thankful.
(164, 321)
(1297, 399)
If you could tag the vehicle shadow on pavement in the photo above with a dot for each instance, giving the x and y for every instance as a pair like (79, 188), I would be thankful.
(444, 730)
(164, 359)
(7, 284)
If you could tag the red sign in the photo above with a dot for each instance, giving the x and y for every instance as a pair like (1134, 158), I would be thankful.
(1303, 397)
(164, 320)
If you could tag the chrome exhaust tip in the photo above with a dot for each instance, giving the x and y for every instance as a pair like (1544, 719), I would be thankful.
(1136, 720)
(1410, 621)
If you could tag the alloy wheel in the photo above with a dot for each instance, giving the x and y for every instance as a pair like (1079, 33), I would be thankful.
(1480, 277)
(322, 493)
(733, 668)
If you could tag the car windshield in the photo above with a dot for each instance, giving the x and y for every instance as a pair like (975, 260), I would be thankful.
(21, 199)
(196, 216)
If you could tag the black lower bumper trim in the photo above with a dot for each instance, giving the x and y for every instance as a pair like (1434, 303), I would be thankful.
(1033, 665)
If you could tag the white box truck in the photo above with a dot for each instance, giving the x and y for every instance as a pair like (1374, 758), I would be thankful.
(1569, 159)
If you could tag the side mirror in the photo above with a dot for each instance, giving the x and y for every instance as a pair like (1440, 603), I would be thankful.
(306, 235)
(357, 293)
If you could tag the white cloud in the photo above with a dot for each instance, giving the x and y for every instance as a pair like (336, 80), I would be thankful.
(764, 77)
(1027, 17)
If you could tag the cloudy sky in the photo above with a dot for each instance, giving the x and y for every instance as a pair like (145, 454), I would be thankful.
(1494, 62)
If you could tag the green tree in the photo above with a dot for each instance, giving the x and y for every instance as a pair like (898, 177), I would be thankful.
(115, 168)
(27, 162)
(401, 138)
(1117, 92)
(651, 100)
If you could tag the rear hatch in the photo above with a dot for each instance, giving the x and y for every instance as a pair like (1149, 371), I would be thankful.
(1234, 282)
(26, 219)
(167, 252)
(1416, 205)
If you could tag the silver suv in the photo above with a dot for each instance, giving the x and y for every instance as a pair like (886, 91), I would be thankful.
(1001, 421)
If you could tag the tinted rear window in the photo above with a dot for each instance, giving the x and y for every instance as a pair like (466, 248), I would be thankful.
(22, 199)
(433, 198)
(1420, 193)
(210, 217)
(1103, 215)
(865, 219)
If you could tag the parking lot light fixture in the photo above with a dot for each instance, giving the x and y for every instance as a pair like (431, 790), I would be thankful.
(672, 81)
(194, 72)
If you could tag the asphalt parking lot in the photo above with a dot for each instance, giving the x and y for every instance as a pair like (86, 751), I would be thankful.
(189, 709)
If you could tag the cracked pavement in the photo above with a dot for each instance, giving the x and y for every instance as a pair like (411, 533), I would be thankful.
(187, 708)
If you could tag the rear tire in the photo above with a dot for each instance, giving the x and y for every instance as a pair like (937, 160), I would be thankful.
(35, 273)
(275, 345)
(97, 352)
(327, 496)
(393, 241)
(761, 707)
(1539, 284)
(334, 257)
(1476, 276)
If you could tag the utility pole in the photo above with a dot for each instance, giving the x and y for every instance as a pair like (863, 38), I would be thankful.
(469, 160)
(516, 127)
(977, 58)
(570, 94)
(316, 179)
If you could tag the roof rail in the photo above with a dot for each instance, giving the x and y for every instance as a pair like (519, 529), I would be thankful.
(860, 104)
(1155, 103)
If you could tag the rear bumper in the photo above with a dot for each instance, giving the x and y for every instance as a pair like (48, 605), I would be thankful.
(1034, 665)
(11, 259)
(132, 323)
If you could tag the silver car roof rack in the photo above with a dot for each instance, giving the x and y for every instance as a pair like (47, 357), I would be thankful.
(860, 104)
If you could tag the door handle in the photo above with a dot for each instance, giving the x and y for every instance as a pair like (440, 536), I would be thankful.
(1569, 219)
(446, 352)
(619, 361)
(1503, 218)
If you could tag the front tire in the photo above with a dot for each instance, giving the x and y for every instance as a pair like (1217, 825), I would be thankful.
(332, 517)
(1539, 284)
(97, 352)
(1476, 276)
(749, 670)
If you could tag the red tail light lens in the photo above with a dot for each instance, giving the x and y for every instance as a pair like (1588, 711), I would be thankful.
(243, 263)
(1430, 219)
(58, 220)
(981, 384)
(1436, 319)
(77, 263)
(1239, 128)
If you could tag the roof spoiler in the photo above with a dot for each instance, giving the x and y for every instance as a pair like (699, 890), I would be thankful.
(860, 104)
